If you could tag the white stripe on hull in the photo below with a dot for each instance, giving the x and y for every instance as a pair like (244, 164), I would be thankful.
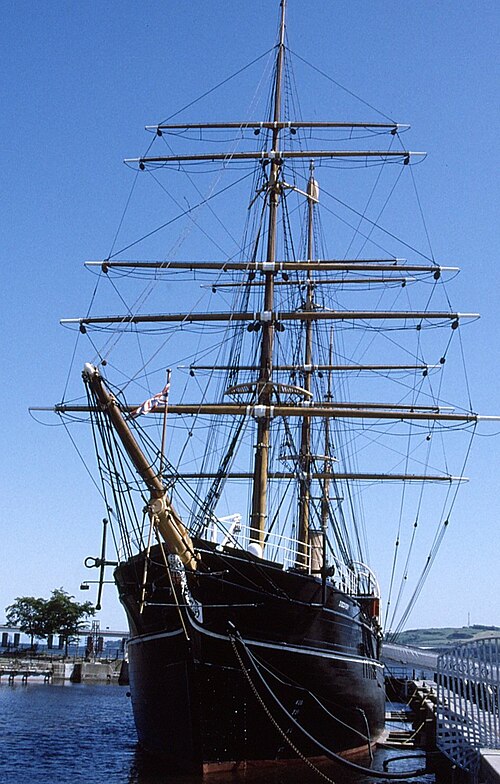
(260, 644)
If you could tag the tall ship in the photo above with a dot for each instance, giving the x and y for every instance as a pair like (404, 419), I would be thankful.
(240, 431)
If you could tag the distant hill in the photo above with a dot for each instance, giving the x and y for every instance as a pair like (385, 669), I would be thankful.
(445, 637)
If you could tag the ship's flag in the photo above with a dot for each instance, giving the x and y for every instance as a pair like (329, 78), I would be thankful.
(154, 402)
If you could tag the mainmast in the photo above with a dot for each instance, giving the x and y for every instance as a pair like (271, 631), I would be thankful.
(264, 384)
(262, 397)
(327, 463)
(305, 438)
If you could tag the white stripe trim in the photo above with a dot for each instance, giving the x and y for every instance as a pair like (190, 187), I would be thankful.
(292, 648)
(153, 636)
(258, 643)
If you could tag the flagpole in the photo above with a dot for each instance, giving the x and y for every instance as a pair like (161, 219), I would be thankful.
(162, 451)
(145, 570)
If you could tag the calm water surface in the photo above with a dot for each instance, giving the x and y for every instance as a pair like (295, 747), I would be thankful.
(72, 733)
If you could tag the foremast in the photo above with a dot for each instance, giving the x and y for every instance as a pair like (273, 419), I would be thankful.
(258, 514)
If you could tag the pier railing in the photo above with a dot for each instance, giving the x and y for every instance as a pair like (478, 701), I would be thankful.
(468, 702)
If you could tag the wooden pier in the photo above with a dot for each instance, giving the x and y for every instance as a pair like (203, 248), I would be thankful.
(421, 718)
(77, 671)
(26, 672)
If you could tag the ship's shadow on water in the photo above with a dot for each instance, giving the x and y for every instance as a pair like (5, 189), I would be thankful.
(145, 769)
(82, 733)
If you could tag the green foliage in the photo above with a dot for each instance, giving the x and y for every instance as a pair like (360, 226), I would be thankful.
(28, 613)
(485, 628)
(65, 616)
(59, 614)
(444, 637)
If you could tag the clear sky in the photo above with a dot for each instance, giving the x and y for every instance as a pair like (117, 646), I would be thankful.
(79, 82)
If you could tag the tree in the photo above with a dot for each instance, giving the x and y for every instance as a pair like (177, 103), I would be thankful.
(58, 615)
(29, 614)
(64, 616)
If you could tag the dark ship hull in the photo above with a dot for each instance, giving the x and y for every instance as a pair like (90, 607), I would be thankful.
(242, 661)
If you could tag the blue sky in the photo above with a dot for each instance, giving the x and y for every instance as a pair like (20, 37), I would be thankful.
(80, 81)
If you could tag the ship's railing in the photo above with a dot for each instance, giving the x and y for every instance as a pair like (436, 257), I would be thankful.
(284, 549)
(356, 579)
(366, 582)
(229, 532)
(468, 702)
(342, 576)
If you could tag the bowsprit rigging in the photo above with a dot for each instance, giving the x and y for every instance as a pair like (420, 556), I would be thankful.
(307, 413)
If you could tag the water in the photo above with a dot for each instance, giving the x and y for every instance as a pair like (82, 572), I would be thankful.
(70, 733)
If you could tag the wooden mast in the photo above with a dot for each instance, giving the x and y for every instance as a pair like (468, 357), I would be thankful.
(161, 510)
(305, 438)
(326, 479)
(261, 465)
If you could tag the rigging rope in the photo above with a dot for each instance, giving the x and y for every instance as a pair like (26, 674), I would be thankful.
(373, 223)
(217, 86)
(181, 215)
(338, 84)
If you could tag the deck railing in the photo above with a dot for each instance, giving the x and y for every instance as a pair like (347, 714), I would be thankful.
(229, 532)
(356, 581)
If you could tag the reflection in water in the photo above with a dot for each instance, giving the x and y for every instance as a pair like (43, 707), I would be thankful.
(147, 770)
(81, 733)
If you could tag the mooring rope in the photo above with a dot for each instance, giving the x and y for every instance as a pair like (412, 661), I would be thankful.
(234, 636)
(272, 719)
